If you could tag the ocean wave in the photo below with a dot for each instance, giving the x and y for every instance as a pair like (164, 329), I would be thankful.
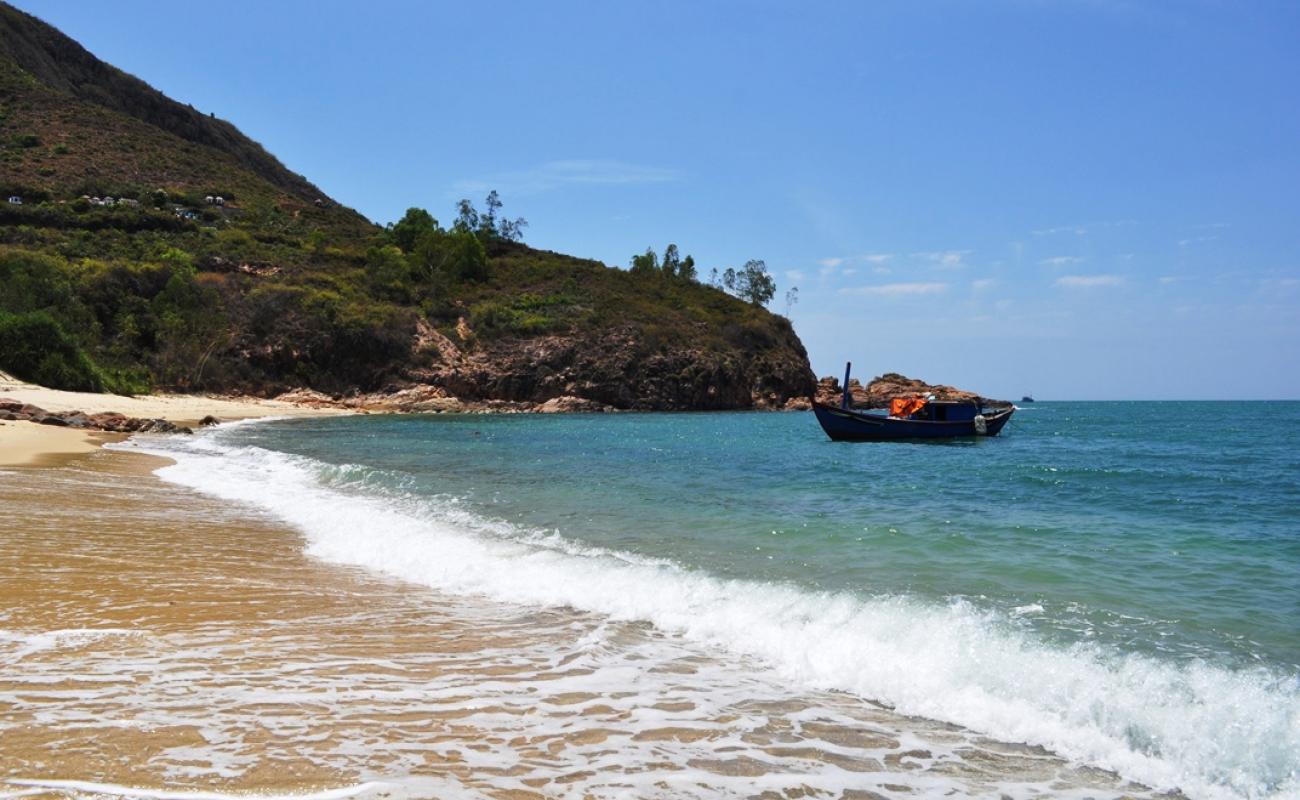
(1193, 725)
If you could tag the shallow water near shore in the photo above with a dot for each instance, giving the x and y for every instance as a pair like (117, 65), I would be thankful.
(724, 604)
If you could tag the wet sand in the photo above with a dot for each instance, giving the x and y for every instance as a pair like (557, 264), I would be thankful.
(154, 638)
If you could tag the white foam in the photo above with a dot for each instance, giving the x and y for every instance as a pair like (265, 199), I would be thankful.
(113, 790)
(30, 643)
(1211, 731)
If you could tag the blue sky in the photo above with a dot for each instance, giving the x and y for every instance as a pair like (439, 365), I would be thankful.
(1084, 200)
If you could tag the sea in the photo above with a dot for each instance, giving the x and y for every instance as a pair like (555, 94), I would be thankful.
(1103, 601)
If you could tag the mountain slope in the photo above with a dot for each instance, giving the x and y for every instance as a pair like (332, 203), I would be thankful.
(278, 287)
(58, 62)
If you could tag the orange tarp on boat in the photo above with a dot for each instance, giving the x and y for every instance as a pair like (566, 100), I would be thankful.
(905, 406)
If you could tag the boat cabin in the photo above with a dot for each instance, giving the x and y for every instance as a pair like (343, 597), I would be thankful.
(920, 408)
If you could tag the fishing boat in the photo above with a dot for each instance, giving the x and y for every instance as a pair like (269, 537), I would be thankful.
(910, 418)
(1029, 398)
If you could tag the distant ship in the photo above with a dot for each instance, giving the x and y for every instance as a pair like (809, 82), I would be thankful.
(1026, 399)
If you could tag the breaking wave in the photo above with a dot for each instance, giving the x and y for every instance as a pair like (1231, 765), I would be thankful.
(1206, 729)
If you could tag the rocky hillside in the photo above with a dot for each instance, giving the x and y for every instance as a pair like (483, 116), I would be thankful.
(149, 246)
(58, 63)
(881, 390)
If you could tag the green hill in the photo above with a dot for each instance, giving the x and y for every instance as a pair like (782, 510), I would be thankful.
(167, 250)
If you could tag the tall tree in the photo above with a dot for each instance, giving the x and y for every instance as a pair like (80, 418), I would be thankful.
(489, 220)
(513, 230)
(413, 225)
(672, 261)
(686, 270)
(646, 262)
(466, 216)
(751, 283)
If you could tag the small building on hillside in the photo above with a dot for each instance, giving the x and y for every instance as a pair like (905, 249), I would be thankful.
(15, 200)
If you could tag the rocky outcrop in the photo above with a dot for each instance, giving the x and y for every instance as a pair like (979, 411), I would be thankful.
(618, 371)
(881, 390)
(107, 421)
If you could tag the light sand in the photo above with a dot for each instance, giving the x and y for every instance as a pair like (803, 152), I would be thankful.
(29, 444)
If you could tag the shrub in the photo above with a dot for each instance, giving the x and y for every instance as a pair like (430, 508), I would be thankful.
(35, 347)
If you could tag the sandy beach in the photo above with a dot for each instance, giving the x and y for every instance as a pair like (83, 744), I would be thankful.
(27, 443)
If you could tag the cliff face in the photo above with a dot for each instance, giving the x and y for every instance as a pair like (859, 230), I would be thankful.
(614, 370)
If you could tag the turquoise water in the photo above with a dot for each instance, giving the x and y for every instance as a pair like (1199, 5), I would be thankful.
(1171, 527)
(1117, 581)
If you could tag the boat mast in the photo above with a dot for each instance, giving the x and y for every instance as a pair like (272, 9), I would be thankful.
(844, 402)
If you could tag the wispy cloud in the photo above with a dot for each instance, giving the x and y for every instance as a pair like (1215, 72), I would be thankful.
(1083, 228)
(982, 284)
(945, 259)
(555, 174)
(794, 275)
(1088, 281)
(1168, 279)
(1196, 240)
(1060, 261)
(1077, 230)
(868, 258)
(896, 289)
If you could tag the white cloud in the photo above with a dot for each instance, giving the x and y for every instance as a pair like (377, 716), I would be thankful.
(1168, 279)
(877, 258)
(849, 272)
(554, 174)
(831, 263)
(794, 275)
(1088, 281)
(882, 270)
(896, 289)
(982, 283)
(1196, 240)
(1061, 261)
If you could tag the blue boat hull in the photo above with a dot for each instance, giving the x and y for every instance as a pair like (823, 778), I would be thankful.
(854, 426)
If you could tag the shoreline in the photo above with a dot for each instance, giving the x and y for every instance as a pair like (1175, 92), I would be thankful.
(29, 444)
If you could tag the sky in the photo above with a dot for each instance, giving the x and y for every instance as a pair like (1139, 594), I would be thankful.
(1074, 199)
